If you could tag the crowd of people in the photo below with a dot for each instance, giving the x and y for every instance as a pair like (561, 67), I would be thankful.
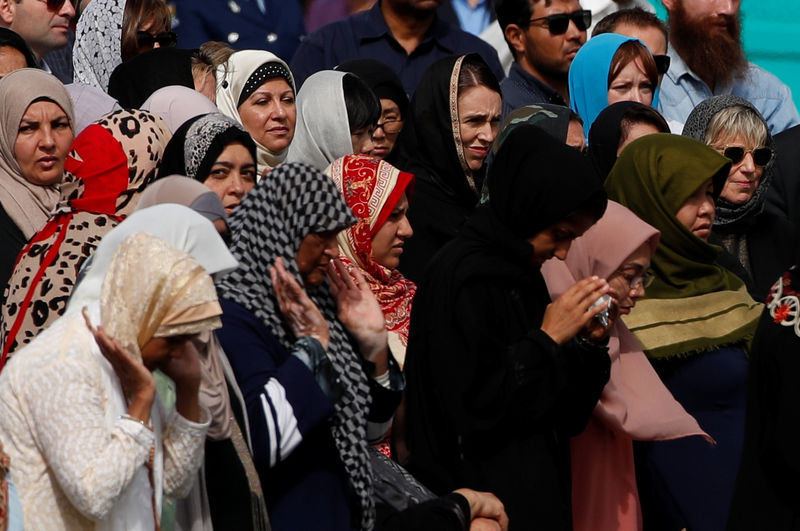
(398, 274)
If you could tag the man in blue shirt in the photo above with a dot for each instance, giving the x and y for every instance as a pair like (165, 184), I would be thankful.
(707, 60)
(543, 48)
(406, 35)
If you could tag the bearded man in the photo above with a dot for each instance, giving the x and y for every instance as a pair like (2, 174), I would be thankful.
(707, 59)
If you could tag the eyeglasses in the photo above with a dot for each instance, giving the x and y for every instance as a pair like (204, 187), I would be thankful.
(662, 63)
(164, 39)
(761, 155)
(558, 24)
(636, 281)
(390, 127)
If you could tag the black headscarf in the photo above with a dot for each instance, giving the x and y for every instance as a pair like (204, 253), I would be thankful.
(133, 81)
(196, 144)
(11, 38)
(380, 78)
(606, 132)
(428, 145)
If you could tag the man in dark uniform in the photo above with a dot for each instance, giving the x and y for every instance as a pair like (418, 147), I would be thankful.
(273, 25)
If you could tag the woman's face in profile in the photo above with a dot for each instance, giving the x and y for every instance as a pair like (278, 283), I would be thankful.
(269, 114)
(479, 120)
(555, 240)
(42, 144)
(315, 253)
(631, 84)
(387, 244)
(697, 213)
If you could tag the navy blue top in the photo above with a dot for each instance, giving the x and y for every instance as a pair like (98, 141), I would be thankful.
(304, 482)
(365, 35)
(521, 88)
(240, 24)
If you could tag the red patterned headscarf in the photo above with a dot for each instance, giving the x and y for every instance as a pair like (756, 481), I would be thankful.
(372, 188)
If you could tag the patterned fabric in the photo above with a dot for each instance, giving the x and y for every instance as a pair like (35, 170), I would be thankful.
(199, 138)
(82, 466)
(783, 303)
(263, 74)
(271, 222)
(110, 164)
(98, 43)
(372, 188)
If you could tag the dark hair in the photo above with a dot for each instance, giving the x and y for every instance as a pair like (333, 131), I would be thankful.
(635, 16)
(138, 12)
(641, 114)
(628, 52)
(575, 117)
(363, 106)
(517, 12)
(476, 73)
(11, 39)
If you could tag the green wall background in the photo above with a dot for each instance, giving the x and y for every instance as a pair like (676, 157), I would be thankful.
(770, 32)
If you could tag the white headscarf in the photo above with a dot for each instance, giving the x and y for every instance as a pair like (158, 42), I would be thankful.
(177, 104)
(322, 133)
(90, 104)
(178, 225)
(231, 79)
(98, 42)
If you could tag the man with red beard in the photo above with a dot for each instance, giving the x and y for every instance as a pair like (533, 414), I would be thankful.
(707, 60)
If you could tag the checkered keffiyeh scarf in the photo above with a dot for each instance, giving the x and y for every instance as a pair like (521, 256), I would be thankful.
(296, 199)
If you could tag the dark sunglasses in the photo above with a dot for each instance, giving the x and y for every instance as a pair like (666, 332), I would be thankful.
(761, 155)
(54, 5)
(558, 24)
(164, 39)
(662, 63)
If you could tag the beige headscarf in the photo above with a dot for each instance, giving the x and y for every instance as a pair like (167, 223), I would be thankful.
(154, 290)
(29, 205)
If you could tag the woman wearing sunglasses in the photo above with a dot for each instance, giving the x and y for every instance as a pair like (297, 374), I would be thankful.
(141, 24)
(754, 238)
(611, 68)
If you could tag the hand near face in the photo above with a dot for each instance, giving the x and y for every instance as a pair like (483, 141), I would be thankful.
(359, 311)
(571, 312)
(297, 308)
(135, 379)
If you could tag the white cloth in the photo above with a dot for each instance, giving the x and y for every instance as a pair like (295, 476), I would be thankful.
(601, 8)
(177, 225)
(322, 133)
(77, 465)
(90, 104)
(231, 79)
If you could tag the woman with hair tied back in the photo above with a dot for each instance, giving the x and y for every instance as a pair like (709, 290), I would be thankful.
(452, 121)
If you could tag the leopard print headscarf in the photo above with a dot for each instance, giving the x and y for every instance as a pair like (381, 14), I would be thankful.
(110, 164)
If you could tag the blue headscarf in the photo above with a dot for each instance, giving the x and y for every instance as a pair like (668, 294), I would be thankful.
(588, 77)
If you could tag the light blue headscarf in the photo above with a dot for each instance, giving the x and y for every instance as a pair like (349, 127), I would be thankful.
(588, 77)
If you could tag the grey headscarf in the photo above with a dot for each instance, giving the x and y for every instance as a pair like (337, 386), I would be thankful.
(729, 216)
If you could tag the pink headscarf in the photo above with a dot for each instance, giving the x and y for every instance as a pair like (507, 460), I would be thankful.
(635, 404)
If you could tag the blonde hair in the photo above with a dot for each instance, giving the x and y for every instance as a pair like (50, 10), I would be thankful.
(737, 120)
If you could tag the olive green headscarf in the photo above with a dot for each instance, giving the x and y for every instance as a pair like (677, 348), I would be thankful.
(694, 304)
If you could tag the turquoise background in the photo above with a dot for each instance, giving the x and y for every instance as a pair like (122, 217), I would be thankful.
(770, 31)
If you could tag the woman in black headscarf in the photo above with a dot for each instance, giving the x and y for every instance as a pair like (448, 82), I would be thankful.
(618, 125)
(452, 122)
(498, 376)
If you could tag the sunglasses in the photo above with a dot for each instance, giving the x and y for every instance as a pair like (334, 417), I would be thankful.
(761, 155)
(164, 39)
(54, 5)
(662, 63)
(558, 24)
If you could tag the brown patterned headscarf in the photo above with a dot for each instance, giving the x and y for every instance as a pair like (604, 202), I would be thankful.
(111, 162)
